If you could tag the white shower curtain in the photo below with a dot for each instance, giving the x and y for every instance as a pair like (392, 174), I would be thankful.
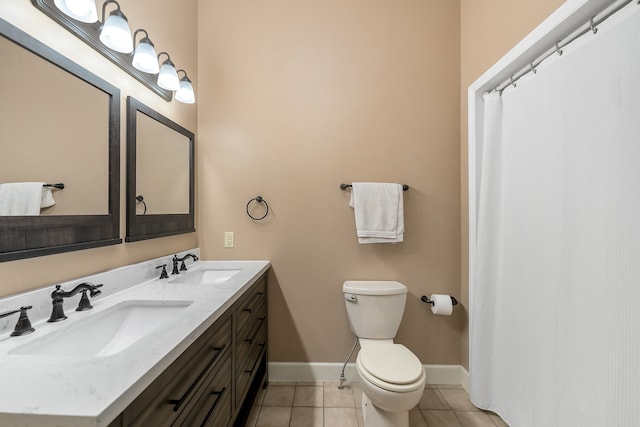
(555, 304)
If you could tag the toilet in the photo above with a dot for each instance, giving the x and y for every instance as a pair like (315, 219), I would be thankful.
(391, 376)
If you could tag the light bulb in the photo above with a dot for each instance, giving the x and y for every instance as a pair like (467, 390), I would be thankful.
(185, 93)
(145, 58)
(80, 10)
(115, 33)
(168, 77)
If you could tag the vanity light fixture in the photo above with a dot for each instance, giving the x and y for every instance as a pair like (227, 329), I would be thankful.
(112, 38)
(80, 10)
(168, 77)
(145, 58)
(185, 94)
(115, 32)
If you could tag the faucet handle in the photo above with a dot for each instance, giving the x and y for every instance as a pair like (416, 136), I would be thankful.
(84, 303)
(163, 274)
(94, 292)
(23, 326)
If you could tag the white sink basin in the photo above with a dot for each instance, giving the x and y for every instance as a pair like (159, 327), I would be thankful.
(106, 333)
(207, 276)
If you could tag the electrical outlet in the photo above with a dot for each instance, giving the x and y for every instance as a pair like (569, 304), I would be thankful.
(228, 239)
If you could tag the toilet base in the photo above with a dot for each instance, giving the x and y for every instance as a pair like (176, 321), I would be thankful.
(376, 417)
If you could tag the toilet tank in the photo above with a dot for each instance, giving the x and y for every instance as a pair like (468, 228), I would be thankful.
(374, 308)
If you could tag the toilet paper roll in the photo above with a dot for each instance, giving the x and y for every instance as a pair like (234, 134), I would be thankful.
(442, 304)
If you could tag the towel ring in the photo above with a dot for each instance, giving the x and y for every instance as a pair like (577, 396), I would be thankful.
(258, 199)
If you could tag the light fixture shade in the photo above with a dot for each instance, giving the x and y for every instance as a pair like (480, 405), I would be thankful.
(168, 77)
(80, 10)
(145, 59)
(116, 34)
(185, 93)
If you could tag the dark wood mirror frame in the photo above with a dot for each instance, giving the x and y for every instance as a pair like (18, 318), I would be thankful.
(32, 236)
(141, 227)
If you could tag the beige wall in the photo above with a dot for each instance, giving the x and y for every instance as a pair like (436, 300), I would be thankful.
(297, 97)
(489, 29)
(172, 27)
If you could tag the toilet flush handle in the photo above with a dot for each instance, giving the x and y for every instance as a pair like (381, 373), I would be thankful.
(351, 297)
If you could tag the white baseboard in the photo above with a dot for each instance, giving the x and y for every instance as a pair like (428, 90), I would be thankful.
(464, 378)
(330, 372)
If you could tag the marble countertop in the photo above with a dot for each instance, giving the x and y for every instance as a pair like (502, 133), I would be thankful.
(77, 391)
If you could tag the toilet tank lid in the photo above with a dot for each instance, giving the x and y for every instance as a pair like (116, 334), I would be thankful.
(369, 287)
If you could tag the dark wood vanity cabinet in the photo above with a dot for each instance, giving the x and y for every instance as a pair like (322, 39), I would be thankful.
(215, 381)
(250, 337)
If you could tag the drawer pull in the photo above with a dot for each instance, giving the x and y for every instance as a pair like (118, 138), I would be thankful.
(255, 334)
(213, 407)
(248, 310)
(178, 402)
(250, 371)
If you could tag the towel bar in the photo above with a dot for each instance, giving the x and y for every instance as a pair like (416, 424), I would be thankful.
(59, 186)
(405, 187)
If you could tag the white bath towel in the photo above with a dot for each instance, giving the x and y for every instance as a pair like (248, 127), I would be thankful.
(23, 198)
(379, 212)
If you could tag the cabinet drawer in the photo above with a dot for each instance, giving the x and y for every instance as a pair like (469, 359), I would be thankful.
(248, 366)
(172, 391)
(251, 336)
(213, 408)
(250, 303)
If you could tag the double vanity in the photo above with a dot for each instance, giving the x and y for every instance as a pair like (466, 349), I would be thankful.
(189, 350)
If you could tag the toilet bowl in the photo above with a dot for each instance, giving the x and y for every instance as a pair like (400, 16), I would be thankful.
(392, 380)
(391, 376)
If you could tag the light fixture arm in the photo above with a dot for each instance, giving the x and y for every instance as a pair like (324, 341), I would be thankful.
(144, 39)
(166, 60)
(117, 11)
(185, 77)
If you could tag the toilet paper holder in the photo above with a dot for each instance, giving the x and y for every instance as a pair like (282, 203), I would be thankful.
(426, 299)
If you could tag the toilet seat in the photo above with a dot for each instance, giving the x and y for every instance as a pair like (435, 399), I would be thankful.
(391, 367)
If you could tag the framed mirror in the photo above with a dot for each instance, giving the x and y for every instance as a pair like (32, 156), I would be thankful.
(160, 175)
(60, 125)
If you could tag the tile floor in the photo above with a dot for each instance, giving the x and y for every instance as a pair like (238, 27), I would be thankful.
(324, 405)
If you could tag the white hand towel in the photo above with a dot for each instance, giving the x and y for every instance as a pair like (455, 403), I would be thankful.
(47, 198)
(20, 198)
(379, 212)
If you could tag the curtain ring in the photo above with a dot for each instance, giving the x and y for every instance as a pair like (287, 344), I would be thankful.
(512, 82)
(258, 199)
(593, 27)
(533, 69)
(558, 50)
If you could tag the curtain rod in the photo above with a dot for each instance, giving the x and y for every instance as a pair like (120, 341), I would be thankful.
(557, 48)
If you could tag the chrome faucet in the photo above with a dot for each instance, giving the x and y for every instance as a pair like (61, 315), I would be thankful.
(183, 267)
(58, 296)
